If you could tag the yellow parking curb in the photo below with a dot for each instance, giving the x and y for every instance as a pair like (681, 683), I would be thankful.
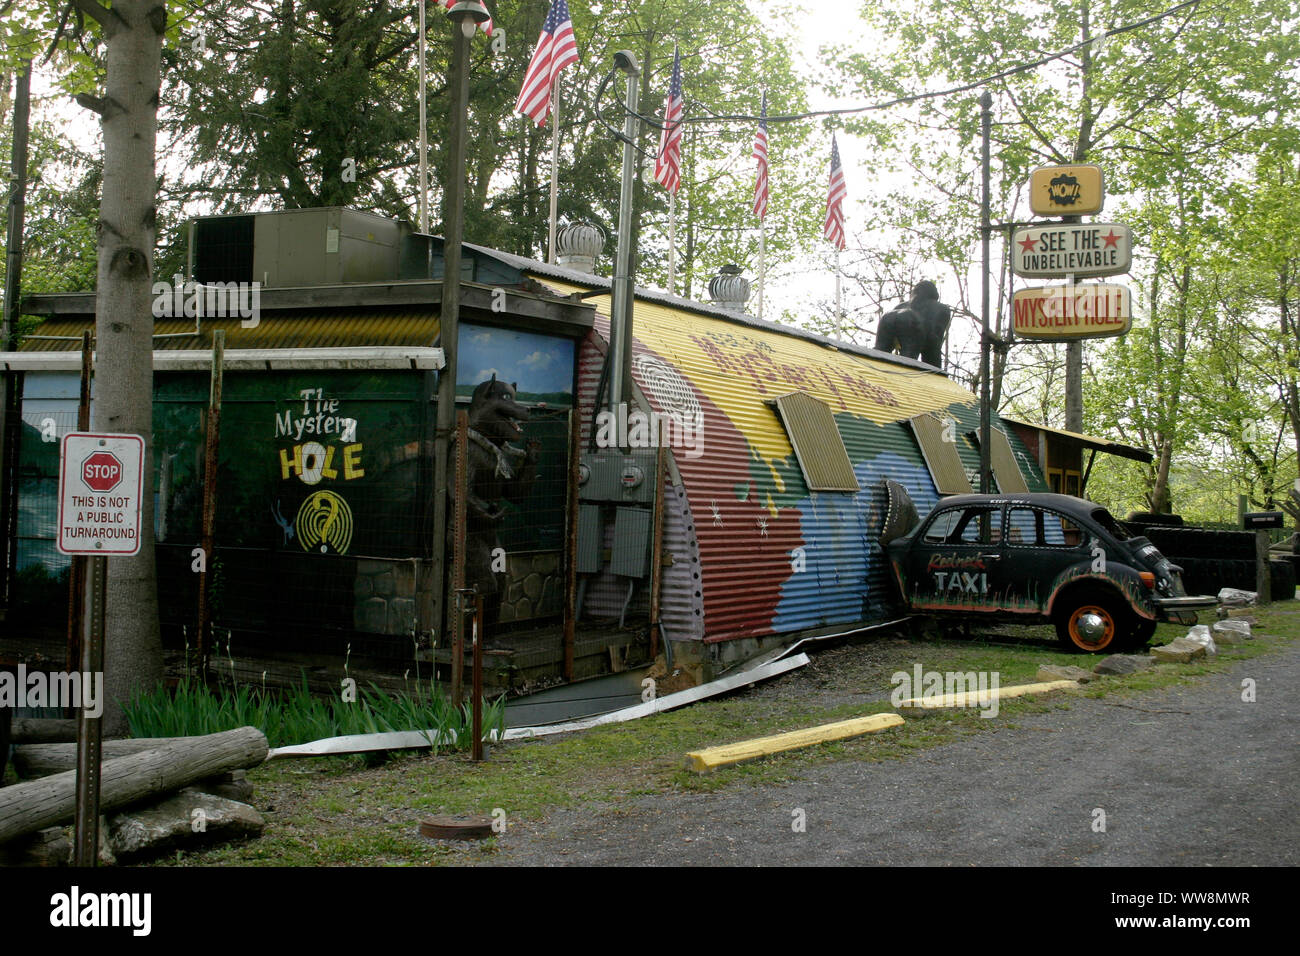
(712, 757)
(973, 698)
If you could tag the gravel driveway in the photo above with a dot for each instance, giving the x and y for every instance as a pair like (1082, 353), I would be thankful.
(1188, 776)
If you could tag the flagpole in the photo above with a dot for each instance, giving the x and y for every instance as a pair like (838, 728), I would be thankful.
(672, 243)
(555, 166)
(839, 311)
(424, 136)
(762, 262)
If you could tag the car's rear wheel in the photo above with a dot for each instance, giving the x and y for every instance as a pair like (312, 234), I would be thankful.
(1092, 621)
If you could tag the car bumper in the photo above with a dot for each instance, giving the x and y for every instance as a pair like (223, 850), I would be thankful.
(1182, 610)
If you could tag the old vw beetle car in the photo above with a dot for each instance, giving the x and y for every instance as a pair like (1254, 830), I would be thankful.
(1041, 558)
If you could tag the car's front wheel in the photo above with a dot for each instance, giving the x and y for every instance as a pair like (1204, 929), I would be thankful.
(1092, 621)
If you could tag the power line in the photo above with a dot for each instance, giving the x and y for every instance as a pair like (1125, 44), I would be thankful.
(916, 97)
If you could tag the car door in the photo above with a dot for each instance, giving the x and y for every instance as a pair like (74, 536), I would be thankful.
(1042, 544)
(954, 559)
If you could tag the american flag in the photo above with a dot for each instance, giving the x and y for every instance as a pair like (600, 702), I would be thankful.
(834, 225)
(485, 26)
(668, 164)
(760, 154)
(556, 49)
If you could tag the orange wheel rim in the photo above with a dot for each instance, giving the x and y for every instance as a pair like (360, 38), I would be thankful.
(1091, 628)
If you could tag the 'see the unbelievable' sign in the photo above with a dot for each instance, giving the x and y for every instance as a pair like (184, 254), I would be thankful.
(100, 488)
(1077, 249)
(1066, 190)
(1072, 311)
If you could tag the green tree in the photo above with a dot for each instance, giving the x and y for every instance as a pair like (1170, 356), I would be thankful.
(1171, 110)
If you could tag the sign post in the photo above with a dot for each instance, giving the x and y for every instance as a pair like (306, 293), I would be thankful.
(101, 483)
(1070, 250)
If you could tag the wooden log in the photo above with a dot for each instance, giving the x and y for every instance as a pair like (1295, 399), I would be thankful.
(36, 804)
(41, 760)
(45, 730)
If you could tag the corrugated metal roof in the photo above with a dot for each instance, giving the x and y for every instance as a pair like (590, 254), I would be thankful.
(325, 329)
(1088, 441)
(569, 281)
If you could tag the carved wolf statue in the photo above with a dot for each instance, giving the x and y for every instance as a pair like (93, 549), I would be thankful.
(916, 328)
(498, 472)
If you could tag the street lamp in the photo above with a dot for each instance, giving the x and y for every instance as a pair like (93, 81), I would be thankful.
(468, 14)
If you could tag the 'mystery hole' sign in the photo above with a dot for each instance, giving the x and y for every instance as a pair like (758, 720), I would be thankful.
(100, 488)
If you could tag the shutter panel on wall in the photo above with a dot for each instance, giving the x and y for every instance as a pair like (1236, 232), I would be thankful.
(817, 443)
(938, 443)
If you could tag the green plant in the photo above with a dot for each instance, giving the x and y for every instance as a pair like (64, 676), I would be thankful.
(297, 715)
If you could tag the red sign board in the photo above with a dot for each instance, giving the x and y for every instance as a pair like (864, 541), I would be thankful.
(101, 471)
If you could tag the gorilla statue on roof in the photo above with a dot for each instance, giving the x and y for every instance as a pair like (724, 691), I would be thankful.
(916, 328)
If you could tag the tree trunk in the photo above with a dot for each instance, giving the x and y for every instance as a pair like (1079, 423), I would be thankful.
(124, 330)
(26, 807)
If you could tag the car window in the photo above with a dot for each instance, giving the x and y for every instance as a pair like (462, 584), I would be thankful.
(942, 526)
(1108, 522)
(971, 529)
(1070, 534)
(1025, 527)
(1041, 528)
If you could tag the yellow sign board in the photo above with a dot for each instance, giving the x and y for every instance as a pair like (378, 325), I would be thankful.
(1064, 312)
(1066, 190)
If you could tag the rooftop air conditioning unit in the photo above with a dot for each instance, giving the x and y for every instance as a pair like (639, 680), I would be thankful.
(297, 247)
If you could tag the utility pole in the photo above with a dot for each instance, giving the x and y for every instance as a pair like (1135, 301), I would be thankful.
(620, 325)
(465, 16)
(986, 129)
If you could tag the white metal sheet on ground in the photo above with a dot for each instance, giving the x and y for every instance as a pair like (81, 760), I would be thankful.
(419, 739)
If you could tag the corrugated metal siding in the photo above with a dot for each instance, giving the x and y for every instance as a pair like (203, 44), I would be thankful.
(773, 556)
(309, 330)
(681, 607)
(811, 429)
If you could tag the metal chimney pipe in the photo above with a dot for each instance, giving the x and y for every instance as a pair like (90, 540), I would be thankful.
(620, 320)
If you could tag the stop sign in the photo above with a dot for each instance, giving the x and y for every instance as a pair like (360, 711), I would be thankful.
(101, 471)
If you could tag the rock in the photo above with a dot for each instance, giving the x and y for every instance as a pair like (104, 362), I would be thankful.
(233, 786)
(52, 846)
(1118, 664)
(533, 586)
(383, 583)
(48, 847)
(1063, 672)
(1234, 597)
(189, 816)
(1232, 631)
(1200, 634)
(1180, 651)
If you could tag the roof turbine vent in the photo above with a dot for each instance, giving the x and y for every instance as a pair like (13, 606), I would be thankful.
(729, 289)
(577, 245)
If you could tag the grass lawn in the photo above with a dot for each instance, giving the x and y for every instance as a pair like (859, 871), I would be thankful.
(338, 811)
